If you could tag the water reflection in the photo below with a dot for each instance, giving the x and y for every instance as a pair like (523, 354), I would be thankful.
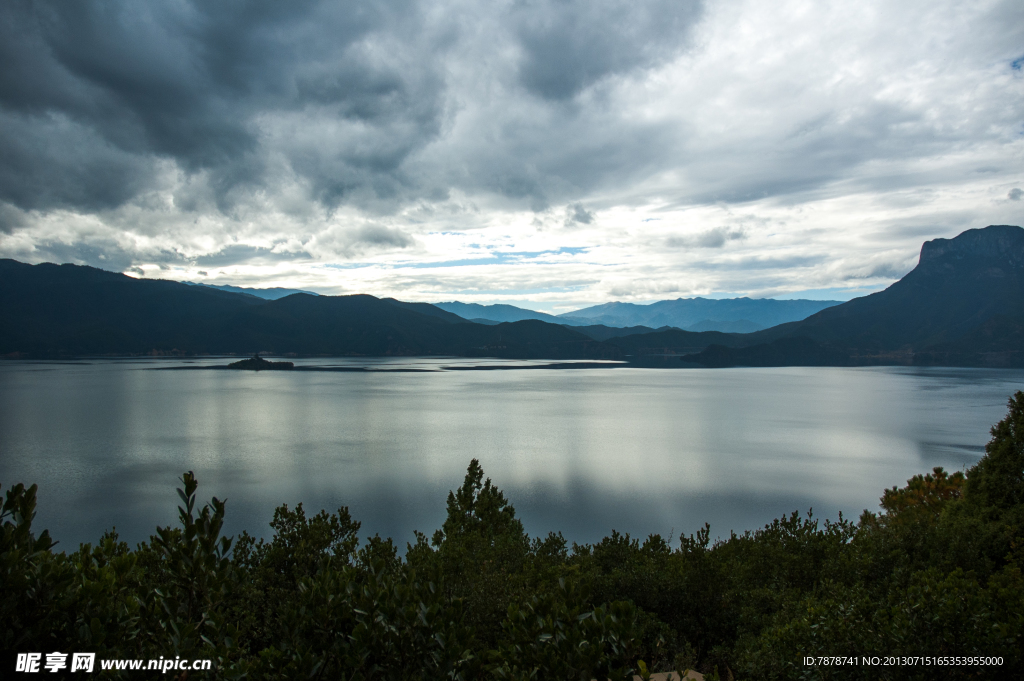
(582, 451)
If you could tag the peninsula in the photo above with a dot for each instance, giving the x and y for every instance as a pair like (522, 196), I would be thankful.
(257, 363)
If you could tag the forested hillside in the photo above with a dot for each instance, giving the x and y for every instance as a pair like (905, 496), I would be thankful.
(67, 310)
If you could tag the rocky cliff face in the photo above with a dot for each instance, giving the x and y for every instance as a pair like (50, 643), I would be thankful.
(995, 242)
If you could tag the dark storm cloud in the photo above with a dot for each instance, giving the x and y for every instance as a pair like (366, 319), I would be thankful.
(235, 253)
(570, 44)
(379, 235)
(10, 218)
(93, 92)
(252, 95)
(53, 161)
(141, 77)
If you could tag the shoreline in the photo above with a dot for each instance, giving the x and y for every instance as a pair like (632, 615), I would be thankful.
(329, 369)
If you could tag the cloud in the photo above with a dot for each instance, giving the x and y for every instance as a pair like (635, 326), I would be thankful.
(577, 214)
(569, 45)
(1015, 194)
(211, 88)
(102, 253)
(349, 242)
(799, 145)
(51, 161)
(378, 235)
(11, 218)
(242, 253)
(712, 238)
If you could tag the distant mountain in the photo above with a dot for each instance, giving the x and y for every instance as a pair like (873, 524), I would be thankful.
(734, 315)
(67, 310)
(963, 305)
(495, 313)
(264, 293)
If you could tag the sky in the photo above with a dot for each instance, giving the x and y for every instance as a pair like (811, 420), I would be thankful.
(551, 154)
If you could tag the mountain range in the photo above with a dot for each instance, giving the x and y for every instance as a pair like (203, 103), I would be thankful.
(265, 293)
(734, 315)
(963, 305)
(52, 310)
(493, 314)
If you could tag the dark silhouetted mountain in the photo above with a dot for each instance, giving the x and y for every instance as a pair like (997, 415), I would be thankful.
(674, 342)
(65, 310)
(798, 351)
(264, 293)
(700, 314)
(996, 343)
(364, 325)
(727, 326)
(962, 305)
(48, 310)
(601, 332)
(424, 308)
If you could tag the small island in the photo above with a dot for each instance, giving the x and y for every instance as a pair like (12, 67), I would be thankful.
(257, 363)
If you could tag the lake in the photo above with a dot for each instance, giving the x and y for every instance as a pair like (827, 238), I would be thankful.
(581, 451)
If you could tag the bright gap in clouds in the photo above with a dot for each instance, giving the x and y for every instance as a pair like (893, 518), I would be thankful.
(548, 154)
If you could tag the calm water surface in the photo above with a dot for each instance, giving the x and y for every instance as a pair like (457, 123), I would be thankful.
(582, 451)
